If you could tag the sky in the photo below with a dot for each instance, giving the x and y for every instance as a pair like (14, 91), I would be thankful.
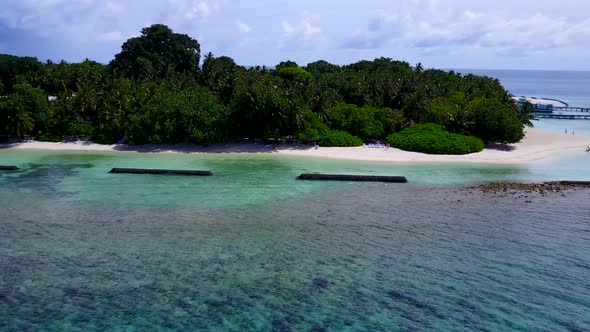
(481, 34)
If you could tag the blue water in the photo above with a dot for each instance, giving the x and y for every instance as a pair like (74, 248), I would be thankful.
(573, 87)
(254, 249)
(573, 127)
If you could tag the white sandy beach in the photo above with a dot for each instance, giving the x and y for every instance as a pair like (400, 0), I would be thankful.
(537, 145)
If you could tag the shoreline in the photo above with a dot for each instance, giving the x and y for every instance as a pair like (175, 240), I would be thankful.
(537, 145)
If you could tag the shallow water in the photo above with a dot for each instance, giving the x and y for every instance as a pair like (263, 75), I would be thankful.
(572, 166)
(253, 249)
(240, 180)
(573, 127)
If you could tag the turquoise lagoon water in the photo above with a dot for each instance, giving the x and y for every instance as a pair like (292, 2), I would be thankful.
(254, 249)
(576, 127)
(574, 166)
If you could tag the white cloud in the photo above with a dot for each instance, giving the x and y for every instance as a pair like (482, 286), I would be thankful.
(200, 11)
(431, 25)
(189, 11)
(243, 27)
(310, 29)
(347, 30)
(287, 27)
(308, 25)
(81, 20)
(305, 34)
(114, 8)
(114, 35)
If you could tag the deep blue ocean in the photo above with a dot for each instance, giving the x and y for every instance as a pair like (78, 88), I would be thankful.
(253, 249)
(573, 87)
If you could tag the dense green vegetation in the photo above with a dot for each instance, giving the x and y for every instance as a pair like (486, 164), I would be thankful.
(154, 91)
(433, 139)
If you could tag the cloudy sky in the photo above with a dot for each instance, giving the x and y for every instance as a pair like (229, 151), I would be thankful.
(499, 34)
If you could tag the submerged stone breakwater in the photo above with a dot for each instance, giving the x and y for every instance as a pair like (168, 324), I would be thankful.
(530, 190)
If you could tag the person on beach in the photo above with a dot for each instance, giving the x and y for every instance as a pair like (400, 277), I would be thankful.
(566, 131)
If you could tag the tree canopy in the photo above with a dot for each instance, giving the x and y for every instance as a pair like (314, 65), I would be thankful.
(157, 53)
(154, 91)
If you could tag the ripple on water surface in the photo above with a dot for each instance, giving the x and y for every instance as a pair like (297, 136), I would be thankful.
(253, 249)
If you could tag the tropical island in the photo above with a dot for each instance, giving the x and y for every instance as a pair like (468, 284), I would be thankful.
(248, 231)
(156, 92)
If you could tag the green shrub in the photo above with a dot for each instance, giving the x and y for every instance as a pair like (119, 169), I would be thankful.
(80, 129)
(365, 122)
(309, 135)
(433, 139)
(105, 136)
(313, 130)
(102, 139)
(339, 138)
(49, 138)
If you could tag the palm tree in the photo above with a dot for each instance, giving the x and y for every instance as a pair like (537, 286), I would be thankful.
(22, 123)
(525, 114)
(14, 120)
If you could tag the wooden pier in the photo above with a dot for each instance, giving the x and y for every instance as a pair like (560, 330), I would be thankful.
(567, 113)
(580, 116)
(160, 171)
(572, 109)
